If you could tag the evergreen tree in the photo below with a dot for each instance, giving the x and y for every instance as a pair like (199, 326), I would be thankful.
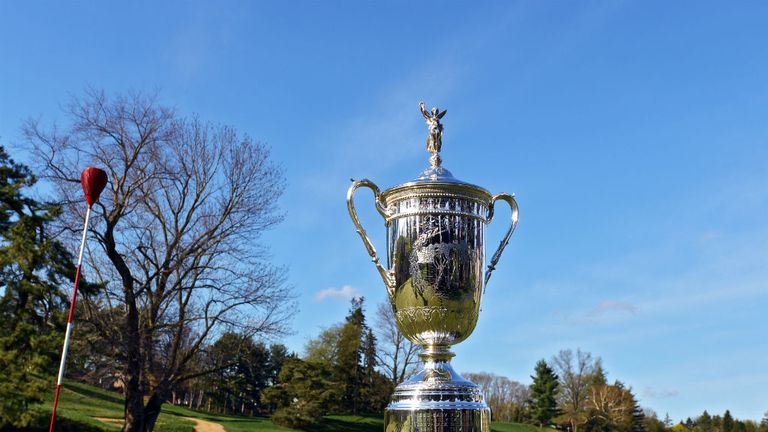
(302, 394)
(348, 371)
(717, 423)
(243, 369)
(727, 423)
(543, 402)
(33, 270)
(369, 371)
(278, 354)
(764, 423)
(599, 376)
(667, 421)
(348, 350)
(369, 353)
(638, 416)
(704, 422)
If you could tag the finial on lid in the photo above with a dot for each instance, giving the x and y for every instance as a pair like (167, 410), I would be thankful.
(435, 137)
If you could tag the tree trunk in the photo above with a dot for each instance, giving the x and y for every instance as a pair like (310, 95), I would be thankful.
(152, 411)
(134, 401)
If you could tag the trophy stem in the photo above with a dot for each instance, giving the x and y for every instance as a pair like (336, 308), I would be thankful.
(437, 399)
(431, 353)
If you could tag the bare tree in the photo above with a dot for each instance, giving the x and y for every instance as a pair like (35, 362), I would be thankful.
(505, 397)
(178, 232)
(395, 354)
(614, 406)
(576, 375)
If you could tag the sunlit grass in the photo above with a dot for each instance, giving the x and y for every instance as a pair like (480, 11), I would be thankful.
(85, 404)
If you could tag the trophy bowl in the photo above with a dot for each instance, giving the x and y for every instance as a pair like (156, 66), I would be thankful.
(436, 255)
(435, 281)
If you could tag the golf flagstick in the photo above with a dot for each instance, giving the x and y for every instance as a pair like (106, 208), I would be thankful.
(93, 180)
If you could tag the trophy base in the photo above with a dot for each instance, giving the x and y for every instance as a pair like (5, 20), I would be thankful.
(440, 420)
(437, 399)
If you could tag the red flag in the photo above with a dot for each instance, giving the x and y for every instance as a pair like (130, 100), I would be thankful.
(94, 181)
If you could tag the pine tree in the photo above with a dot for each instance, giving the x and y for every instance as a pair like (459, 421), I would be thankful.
(717, 423)
(369, 353)
(667, 421)
(704, 422)
(764, 423)
(369, 359)
(371, 382)
(542, 402)
(33, 269)
(302, 394)
(348, 370)
(727, 421)
(599, 375)
(638, 416)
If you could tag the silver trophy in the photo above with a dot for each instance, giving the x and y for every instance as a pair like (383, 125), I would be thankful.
(435, 280)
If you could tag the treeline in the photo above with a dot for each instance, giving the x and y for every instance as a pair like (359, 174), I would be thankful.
(507, 398)
(709, 423)
(231, 374)
(570, 392)
(338, 374)
(349, 368)
(242, 370)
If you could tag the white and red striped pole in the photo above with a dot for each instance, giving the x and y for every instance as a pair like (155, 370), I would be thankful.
(93, 180)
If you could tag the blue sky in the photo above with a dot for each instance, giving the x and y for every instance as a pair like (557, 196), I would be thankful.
(635, 135)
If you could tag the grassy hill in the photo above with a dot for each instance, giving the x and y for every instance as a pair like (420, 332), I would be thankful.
(84, 408)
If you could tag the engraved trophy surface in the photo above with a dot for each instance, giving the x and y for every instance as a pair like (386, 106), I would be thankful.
(435, 280)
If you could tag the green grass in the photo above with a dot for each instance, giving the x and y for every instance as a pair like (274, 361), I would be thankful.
(84, 403)
(81, 404)
(231, 423)
(517, 427)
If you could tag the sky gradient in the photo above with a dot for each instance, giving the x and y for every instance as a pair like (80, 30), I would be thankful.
(635, 135)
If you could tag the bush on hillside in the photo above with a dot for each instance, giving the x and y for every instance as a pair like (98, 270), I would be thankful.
(300, 415)
(39, 422)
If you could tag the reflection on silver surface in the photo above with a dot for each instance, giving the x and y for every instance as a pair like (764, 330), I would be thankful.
(436, 255)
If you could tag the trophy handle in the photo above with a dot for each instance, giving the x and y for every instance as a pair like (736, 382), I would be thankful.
(509, 199)
(386, 275)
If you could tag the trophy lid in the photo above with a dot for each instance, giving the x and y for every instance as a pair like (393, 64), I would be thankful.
(437, 176)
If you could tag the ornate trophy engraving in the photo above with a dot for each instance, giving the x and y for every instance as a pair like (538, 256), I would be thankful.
(435, 280)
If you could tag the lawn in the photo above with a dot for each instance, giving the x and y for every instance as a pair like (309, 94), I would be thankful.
(517, 427)
(83, 404)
